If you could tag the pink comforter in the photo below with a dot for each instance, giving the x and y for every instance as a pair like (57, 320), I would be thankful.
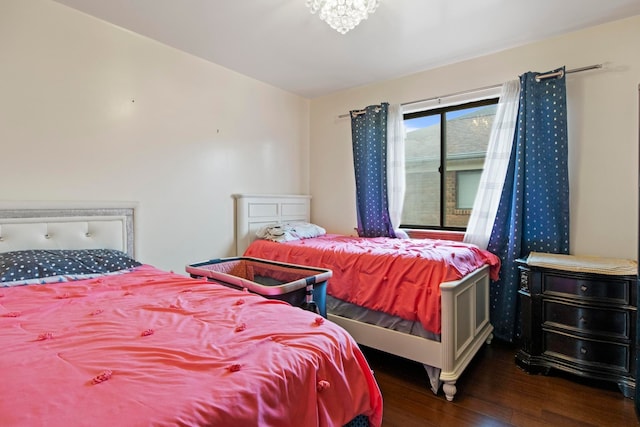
(396, 276)
(150, 348)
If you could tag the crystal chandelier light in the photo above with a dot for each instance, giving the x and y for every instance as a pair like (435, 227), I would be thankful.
(343, 15)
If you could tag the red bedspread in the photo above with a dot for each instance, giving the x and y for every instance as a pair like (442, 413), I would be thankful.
(150, 348)
(397, 276)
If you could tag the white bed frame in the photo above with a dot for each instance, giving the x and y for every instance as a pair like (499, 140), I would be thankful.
(67, 225)
(465, 303)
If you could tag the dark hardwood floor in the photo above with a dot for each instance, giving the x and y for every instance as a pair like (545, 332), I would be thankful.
(494, 391)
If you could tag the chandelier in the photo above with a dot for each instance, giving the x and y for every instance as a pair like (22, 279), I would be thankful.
(343, 15)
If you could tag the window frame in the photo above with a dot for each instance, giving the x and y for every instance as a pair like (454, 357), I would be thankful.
(442, 170)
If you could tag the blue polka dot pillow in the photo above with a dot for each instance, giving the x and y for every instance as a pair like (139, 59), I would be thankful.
(47, 266)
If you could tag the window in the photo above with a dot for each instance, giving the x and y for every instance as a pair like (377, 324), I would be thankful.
(444, 155)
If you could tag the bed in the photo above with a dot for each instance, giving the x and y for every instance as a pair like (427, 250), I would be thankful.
(91, 336)
(445, 344)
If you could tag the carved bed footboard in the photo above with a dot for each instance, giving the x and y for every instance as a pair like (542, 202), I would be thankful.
(465, 324)
(465, 328)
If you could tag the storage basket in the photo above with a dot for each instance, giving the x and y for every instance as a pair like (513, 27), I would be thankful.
(298, 285)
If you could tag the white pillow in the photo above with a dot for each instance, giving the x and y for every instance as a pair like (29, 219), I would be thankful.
(287, 232)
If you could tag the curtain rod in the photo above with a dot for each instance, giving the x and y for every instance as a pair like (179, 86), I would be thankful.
(538, 78)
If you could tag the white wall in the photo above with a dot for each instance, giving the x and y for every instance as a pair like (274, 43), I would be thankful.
(603, 130)
(89, 111)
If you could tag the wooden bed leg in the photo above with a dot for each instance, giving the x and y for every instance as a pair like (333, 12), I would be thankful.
(449, 388)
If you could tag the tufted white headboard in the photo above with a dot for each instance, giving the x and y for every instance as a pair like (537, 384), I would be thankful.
(67, 225)
(257, 210)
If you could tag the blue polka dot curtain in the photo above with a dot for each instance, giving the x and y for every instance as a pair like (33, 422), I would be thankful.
(533, 214)
(369, 136)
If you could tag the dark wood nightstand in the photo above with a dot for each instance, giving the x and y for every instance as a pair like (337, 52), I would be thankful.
(579, 316)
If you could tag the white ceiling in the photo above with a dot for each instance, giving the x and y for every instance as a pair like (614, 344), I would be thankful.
(279, 42)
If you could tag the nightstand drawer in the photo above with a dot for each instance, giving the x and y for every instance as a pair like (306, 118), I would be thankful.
(595, 354)
(610, 290)
(589, 320)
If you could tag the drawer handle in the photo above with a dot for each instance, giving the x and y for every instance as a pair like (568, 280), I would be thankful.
(583, 350)
(584, 288)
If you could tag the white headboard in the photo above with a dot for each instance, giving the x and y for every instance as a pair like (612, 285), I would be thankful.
(67, 225)
(257, 210)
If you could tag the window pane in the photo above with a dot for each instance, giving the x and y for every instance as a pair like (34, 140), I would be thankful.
(467, 137)
(467, 188)
(422, 161)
